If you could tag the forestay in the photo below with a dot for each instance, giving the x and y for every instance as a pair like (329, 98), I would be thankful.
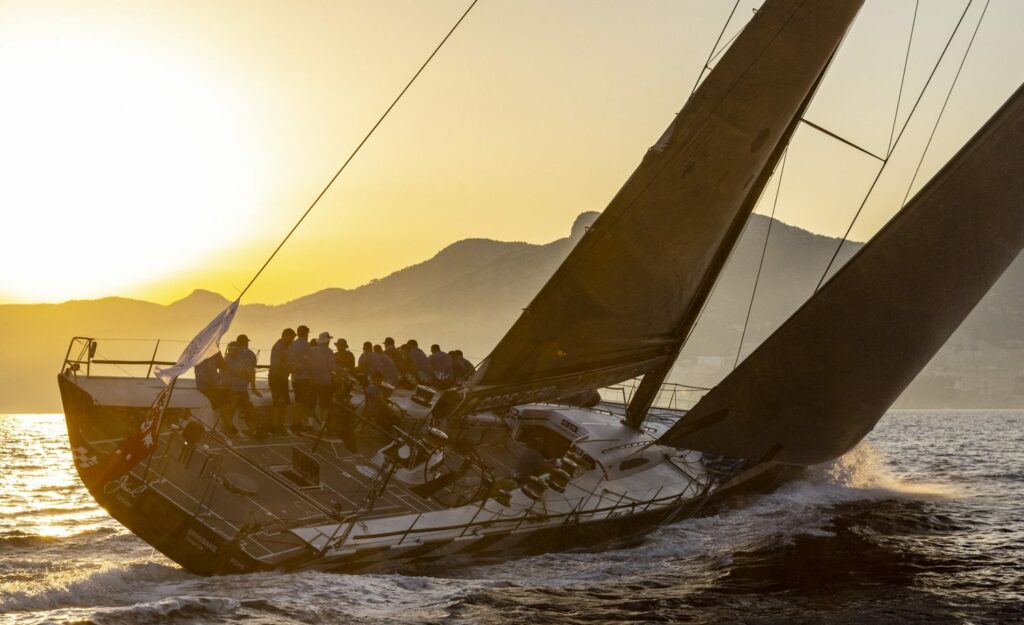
(622, 302)
(822, 381)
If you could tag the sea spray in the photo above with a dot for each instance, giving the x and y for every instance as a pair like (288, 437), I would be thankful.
(864, 469)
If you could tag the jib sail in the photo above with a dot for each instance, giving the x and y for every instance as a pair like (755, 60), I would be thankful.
(622, 302)
(822, 381)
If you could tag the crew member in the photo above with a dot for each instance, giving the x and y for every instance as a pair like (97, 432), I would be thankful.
(345, 360)
(460, 366)
(322, 367)
(249, 355)
(441, 367)
(278, 378)
(238, 376)
(392, 352)
(418, 358)
(209, 381)
(302, 382)
(368, 363)
(387, 366)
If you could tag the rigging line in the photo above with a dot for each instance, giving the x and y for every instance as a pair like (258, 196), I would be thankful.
(725, 47)
(892, 149)
(928, 82)
(903, 79)
(840, 139)
(718, 278)
(760, 264)
(945, 102)
(358, 147)
(699, 135)
(714, 47)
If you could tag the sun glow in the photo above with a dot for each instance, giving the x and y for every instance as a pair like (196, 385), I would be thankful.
(120, 163)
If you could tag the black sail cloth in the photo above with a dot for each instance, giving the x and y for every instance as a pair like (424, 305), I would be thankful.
(622, 302)
(822, 381)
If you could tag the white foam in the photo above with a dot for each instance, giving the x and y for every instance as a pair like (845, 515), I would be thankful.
(66, 589)
(800, 507)
(864, 474)
(169, 609)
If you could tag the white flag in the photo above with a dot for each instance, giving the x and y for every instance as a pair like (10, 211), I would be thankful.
(204, 345)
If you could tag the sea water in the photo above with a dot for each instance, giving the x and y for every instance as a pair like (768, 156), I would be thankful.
(922, 523)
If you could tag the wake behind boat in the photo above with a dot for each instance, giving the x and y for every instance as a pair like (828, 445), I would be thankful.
(441, 485)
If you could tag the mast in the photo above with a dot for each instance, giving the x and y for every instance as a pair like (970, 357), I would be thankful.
(822, 381)
(621, 302)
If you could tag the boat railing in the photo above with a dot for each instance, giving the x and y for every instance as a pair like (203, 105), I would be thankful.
(89, 356)
(670, 396)
(617, 503)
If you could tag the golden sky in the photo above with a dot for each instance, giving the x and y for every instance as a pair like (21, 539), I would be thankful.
(151, 148)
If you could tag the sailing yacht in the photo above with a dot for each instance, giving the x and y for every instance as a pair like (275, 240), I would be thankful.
(441, 487)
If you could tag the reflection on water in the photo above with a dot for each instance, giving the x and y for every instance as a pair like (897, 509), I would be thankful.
(922, 524)
(42, 496)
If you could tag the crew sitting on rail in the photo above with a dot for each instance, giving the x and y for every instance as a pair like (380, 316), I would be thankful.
(460, 366)
(387, 366)
(367, 363)
(441, 367)
(344, 358)
(418, 358)
(407, 368)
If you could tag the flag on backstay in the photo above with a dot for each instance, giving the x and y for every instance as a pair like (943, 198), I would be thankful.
(140, 443)
(204, 345)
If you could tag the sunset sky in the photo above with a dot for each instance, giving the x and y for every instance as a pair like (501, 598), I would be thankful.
(151, 148)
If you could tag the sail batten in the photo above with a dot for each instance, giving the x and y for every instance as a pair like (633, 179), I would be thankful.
(822, 381)
(621, 303)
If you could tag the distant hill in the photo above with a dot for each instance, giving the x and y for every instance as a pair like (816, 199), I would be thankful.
(470, 292)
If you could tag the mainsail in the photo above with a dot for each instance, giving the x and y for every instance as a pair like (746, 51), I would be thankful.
(822, 381)
(622, 302)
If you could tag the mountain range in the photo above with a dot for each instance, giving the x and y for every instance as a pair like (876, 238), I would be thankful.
(470, 292)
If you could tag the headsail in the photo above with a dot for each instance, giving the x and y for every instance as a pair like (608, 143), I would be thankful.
(822, 381)
(622, 302)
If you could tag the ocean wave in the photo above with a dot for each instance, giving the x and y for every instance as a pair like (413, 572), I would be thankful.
(166, 610)
(20, 539)
(803, 507)
(77, 590)
(10, 564)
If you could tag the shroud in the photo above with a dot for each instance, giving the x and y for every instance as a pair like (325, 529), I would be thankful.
(623, 301)
(822, 381)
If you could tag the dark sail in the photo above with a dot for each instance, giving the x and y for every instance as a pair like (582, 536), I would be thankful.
(621, 303)
(823, 380)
